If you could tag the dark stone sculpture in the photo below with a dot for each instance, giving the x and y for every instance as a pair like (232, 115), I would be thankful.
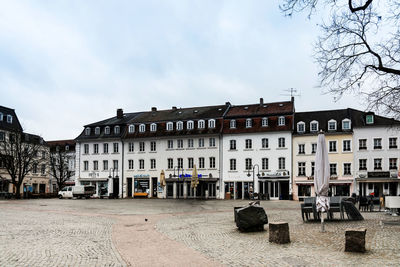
(251, 218)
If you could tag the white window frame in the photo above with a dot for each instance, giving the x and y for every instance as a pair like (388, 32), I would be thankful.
(153, 127)
(264, 122)
(201, 124)
(130, 164)
(369, 116)
(301, 123)
(211, 142)
(153, 146)
(179, 126)
(190, 143)
(343, 123)
(1, 116)
(170, 126)
(343, 146)
(329, 146)
(248, 144)
(9, 119)
(281, 140)
(211, 124)
(131, 128)
(281, 121)
(87, 131)
(232, 124)
(302, 149)
(117, 129)
(249, 123)
(344, 169)
(264, 163)
(264, 143)
(232, 164)
(142, 128)
(190, 125)
(311, 126)
(107, 130)
(335, 123)
(232, 144)
(97, 130)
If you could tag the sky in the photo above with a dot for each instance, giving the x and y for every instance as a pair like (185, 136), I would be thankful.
(66, 63)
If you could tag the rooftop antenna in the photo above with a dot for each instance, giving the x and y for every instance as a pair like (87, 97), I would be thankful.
(291, 92)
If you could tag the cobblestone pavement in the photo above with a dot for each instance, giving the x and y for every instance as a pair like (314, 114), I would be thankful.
(155, 232)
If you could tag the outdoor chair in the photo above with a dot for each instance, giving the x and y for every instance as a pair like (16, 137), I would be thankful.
(335, 206)
(307, 208)
(363, 205)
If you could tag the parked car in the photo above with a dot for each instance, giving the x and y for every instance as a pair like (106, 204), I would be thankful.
(78, 191)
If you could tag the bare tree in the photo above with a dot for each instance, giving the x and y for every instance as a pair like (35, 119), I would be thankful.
(59, 165)
(19, 153)
(359, 48)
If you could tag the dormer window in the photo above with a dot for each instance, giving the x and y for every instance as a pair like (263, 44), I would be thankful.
(87, 131)
(301, 127)
(190, 125)
(346, 124)
(116, 129)
(249, 123)
(131, 128)
(179, 125)
(153, 127)
(369, 119)
(281, 121)
(142, 128)
(332, 125)
(1, 116)
(9, 118)
(264, 122)
(314, 126)
(232, 124)
(201, 124)
(97, 130)
(107, 130)
(170, 126)
(67, 148)
(211, 123)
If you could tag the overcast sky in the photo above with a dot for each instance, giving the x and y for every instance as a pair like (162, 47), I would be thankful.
(64, 64)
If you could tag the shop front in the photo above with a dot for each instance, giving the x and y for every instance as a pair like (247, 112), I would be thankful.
(379, 184)
(101, 186)
(238, 190)
(276, 187)
(181, 188)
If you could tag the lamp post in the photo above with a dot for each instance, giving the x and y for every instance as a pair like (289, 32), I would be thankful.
(113, 176)
(178, 168)
(258, 175)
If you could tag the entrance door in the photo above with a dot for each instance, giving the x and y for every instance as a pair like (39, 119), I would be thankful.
(239, 190)
(154, 182)
(130, 187)
(284, 186)
(115, 187)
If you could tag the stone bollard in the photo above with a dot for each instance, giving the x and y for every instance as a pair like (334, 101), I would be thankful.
(279, 232)
(355, 240)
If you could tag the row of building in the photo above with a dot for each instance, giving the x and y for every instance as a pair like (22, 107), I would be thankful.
(265, 148)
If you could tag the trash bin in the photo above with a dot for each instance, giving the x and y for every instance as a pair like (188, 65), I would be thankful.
(228, 195)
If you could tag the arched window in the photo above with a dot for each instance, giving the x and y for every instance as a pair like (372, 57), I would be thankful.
(281, 121)
(314, 126)
(116, 129)
(190, 125)
(346, 124)
(211, 123)
(249, 123)
(264, 122)
(131, 128)
(232, 124)
(87, 131)
(9, 118)
(201, 124)
(301, 127)
(179, 125)
(153, 127)
(1, 116)
(170, 126)
(97, 130)
(142, 128)
(107, 130)
(332, 125)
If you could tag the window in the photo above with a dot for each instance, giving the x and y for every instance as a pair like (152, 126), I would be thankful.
(201, 142)
(153, 146)
(281, 142)
(362, 144)
(170, 163)
(346, 145)
(131, 128)
(333, 169)
(312, 168)
(131, 147)
(66, 147)
(264, 122)
(212, 142)
(281, 121)
(201, 163)
(249, 144)
(301, 127)
(95, 165)
(170, 126)
(232, 144)
(264, 163)
(264, 143)
(142, 128)
(211, 123)
(201, 124)
(377, 143)
(97, 130)
(2, 136)
(115, 147)
(190, 125)
(43, 169)
(212, 163)
(190, 143)
(34, 168)
(105, 165)
(232, 124)
(86, 149)
(392, 142)
(9, 119)
(314, 126)
(1, 116)
(86, 165)
(313, 148)
(87, 131)
(249, 123)
(346, 168)
(116, 130)
(43, 154)
(96, 148)
(170, 144)
(362, 164)
(369, 119)
(107, 130)
(130, 164)
(301, 168)
(302, 149)
(377, 164)
(141, 164)
(332, 146)
(141, 146)
(393, 164)
(152, 164)
(180, 163)
(190, 163)
(232, 164)
(346, 124)
(281, 163)
(179, 125)
(153, 127)
(332, 125)
(180, 143)
(115, 164)
(248, 164)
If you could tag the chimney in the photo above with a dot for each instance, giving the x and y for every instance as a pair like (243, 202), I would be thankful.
(174, 108)
(153, 109)
(227, 103)
(120, 113)
(261, 101)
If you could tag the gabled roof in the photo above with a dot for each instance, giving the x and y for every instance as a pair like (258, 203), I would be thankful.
(4, 125)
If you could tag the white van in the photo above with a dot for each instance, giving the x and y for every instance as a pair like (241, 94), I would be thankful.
(77, 191)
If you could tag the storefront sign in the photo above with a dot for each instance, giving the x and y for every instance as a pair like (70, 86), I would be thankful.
(141, 176)
(378, 174)
(187, 175)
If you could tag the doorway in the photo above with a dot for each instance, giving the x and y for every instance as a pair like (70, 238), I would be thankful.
(130, 187)
(155, 185)
(115, 187)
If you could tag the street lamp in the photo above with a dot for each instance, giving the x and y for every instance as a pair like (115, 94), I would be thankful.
(113, 176)
(258, 175)
(178, 168)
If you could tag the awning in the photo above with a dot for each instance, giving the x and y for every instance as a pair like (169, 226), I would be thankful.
(93, 180)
